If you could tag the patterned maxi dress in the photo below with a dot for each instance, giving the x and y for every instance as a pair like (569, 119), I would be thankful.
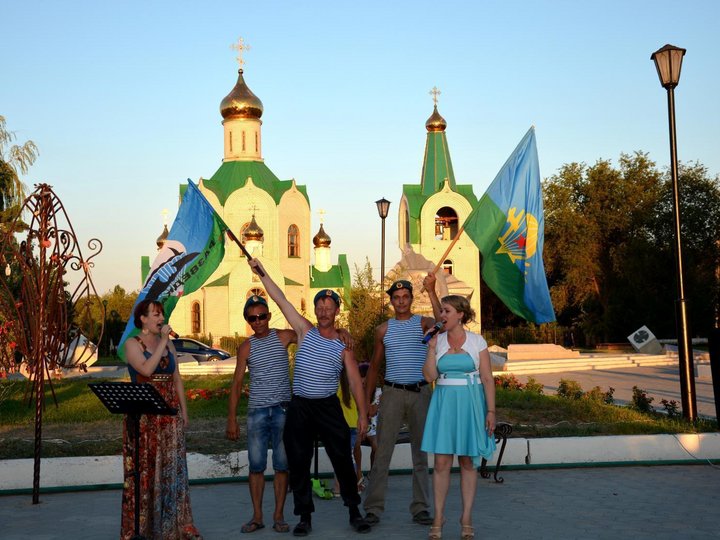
(165, 512)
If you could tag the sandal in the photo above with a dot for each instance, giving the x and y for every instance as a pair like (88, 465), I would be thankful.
(435, 532)
(281, 527)
(252, 526)
(468, 532)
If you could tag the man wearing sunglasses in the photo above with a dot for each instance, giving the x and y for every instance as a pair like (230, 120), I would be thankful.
(264, 355)
(314, 408)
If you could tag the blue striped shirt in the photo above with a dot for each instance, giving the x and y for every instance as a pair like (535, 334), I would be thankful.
(269, 371)
(404, 350)
(318, 363)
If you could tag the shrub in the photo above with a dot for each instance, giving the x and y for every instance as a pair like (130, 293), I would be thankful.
(641, 401)
(533, 386)
(508, 381)
(231, 343)
(672, 408)
(569, 389)
(598, 396)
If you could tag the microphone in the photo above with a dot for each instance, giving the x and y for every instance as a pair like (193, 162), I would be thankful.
(435, 329)
(173, 333)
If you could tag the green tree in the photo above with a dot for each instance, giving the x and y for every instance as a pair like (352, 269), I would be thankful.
(597, 219)
(366, 311)
(118, 306)
(700, 234)
(14, 160)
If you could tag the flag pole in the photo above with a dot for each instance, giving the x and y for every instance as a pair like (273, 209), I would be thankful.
(230, 234)
(449, 248)
(234, 238)
(447, 252)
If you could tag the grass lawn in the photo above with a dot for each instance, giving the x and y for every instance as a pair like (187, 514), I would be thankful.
(82, 426)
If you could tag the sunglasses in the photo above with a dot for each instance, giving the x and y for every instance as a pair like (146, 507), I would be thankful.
(252, 318)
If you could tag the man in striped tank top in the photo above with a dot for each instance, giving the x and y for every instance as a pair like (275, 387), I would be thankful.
(314, 409)
(264, 355)
(405, 397)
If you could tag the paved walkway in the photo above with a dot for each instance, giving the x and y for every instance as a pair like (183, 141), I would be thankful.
(660, 382)
(661, 502)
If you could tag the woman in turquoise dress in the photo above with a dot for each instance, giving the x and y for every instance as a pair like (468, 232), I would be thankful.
(461, 418)
(165, 512)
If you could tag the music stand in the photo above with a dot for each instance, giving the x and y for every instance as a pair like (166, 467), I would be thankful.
(134, 400)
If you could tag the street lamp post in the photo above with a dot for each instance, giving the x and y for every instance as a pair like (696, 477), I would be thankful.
(668, 61)
(383, 206)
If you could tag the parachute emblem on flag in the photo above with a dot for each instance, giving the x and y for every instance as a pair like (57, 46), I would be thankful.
(519, 238)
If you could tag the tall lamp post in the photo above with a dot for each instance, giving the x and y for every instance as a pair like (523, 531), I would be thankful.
(668, 61)
(383, 206)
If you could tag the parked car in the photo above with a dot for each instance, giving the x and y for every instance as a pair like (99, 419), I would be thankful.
(199, 351)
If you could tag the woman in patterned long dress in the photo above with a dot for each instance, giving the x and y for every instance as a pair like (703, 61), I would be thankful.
(461, 417)
(164, 494)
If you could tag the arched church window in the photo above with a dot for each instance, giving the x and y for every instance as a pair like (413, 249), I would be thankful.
(446, 224)
(447, 266)
(243, 141)
(256, 291)
(293, 241)
(195, 318)
(230, 140)
(257, 145)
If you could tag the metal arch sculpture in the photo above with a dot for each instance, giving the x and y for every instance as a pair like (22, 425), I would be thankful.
(42, 316)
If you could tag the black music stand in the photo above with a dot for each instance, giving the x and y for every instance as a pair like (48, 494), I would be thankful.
(133, 399)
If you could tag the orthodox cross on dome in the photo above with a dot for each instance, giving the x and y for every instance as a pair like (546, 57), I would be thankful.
(322, 213)
(435, 93)
(240, 47)
(252, 208)
(164, 214)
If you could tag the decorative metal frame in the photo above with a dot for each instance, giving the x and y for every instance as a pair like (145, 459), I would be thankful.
(44, 315)
(502, 432)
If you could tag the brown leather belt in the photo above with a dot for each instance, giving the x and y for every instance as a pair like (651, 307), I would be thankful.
(414, 387)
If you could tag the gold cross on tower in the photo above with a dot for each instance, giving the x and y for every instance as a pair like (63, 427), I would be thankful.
(240, 47)
(164, 214)
(435, 93)
(321, 213)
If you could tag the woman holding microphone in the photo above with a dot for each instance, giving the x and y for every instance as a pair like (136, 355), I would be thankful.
(461, 417)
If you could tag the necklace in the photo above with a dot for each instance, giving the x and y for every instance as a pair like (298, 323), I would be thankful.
(456, 341)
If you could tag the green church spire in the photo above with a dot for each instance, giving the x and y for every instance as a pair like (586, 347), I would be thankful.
(437, 165)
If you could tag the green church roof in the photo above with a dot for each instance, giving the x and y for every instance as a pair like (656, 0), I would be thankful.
(233, 175)
(437, 165)
(220, 282)
(338, 277)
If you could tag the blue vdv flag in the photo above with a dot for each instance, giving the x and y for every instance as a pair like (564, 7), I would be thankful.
(194, 248)
(508, 227)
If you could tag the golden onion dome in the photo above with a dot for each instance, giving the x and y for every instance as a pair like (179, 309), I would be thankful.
(321, 239)
(241, 102)
(163, 236)
(253, 231)
(435, 122)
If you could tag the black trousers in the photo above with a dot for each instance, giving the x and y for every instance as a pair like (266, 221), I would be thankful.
(322, 418)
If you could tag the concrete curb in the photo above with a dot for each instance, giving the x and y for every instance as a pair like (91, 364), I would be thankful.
(106, 471)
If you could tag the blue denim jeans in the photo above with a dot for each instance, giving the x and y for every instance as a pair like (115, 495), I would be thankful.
(264, 426)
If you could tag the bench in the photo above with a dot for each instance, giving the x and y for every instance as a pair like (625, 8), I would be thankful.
(502, 432)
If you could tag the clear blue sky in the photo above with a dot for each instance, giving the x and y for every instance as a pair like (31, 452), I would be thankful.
(122, 99)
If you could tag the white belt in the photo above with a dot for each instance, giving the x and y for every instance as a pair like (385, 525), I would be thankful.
(459, 380)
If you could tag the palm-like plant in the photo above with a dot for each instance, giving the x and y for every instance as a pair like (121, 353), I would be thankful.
(15, 159)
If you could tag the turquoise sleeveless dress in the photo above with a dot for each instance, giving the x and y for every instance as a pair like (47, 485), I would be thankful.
(456, 418)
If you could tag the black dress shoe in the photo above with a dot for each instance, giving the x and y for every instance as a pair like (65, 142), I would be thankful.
(360, 525)
(423, 518)
(372, 519)
(303, 528)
